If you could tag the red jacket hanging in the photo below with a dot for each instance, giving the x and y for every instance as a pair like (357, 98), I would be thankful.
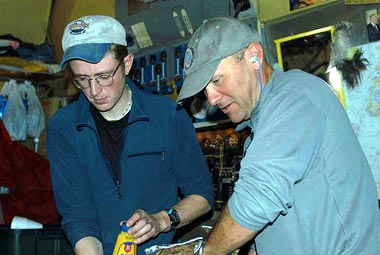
(27, 175)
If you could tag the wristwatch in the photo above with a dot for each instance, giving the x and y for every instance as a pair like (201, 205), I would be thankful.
(174, 217)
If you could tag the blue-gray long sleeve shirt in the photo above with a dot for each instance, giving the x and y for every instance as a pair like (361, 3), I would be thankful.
(304, 181)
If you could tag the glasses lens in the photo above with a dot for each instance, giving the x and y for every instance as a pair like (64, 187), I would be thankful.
(81, 82)
(104, 80)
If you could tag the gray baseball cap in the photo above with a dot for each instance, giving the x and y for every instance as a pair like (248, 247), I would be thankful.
(215, 39)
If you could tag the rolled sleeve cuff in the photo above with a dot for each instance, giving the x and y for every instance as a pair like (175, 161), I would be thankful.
(247, 212)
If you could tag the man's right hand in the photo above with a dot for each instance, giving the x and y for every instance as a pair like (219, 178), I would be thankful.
(144, 226)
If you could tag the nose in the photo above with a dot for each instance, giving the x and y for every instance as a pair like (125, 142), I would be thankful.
(212, 95)
(95, 88)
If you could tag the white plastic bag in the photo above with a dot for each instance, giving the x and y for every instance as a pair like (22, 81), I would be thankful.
(35, 116)
(15, 115)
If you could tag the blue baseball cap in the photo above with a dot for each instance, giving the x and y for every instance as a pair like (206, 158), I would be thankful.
(89, 38)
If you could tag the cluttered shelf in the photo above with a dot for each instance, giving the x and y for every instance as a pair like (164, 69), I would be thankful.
(22, 69)
(31, 85)
(23, 84)
(26, 87)
(20, 75)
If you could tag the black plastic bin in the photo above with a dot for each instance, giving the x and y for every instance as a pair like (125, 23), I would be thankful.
(50, 240)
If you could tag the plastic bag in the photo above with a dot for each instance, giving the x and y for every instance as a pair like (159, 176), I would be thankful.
(189, 247)
(35, 116)
(15, 115)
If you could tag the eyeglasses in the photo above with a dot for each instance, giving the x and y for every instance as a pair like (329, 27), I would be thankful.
(103, 80)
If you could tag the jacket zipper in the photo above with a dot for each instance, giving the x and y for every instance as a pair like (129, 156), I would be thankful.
(118, 188)
(116, 181)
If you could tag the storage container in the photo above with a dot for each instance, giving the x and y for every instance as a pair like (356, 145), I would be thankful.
(50, 240)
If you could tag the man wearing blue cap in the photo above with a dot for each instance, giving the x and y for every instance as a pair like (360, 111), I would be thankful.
(118, 154)
(304, 186)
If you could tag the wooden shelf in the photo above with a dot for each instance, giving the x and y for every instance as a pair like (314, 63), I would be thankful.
(18, 75)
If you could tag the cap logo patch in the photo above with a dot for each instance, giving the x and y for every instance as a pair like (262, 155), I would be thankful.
(188, 61)
(78, 27)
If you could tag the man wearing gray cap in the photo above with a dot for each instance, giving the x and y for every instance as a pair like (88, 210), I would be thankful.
(304, 185)
(118, 154)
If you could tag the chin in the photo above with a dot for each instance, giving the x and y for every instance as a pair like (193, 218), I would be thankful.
(235, 119)
(102, 108)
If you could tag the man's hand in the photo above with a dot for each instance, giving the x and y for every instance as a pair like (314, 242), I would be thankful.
(144, 226)
(89, 246)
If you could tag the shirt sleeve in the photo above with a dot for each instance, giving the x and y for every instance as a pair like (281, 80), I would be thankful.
(190, 167)
(287, 137)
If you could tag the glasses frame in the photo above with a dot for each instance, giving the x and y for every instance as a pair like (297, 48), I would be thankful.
(78, 85)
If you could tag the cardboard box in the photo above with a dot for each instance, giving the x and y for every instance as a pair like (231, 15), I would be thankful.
(26, 20)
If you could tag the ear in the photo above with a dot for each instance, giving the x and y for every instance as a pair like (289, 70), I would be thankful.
(128, 61)
(255, 54)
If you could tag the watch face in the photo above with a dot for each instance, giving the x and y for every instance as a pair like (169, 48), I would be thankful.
(174, 217)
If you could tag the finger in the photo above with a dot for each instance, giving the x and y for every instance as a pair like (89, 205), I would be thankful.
(147, 224)
(136, 216)
(141, 226)
(147, 235)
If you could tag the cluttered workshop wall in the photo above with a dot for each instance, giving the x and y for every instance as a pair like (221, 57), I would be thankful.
(30, 51)
(315, 18)
(268, 11)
